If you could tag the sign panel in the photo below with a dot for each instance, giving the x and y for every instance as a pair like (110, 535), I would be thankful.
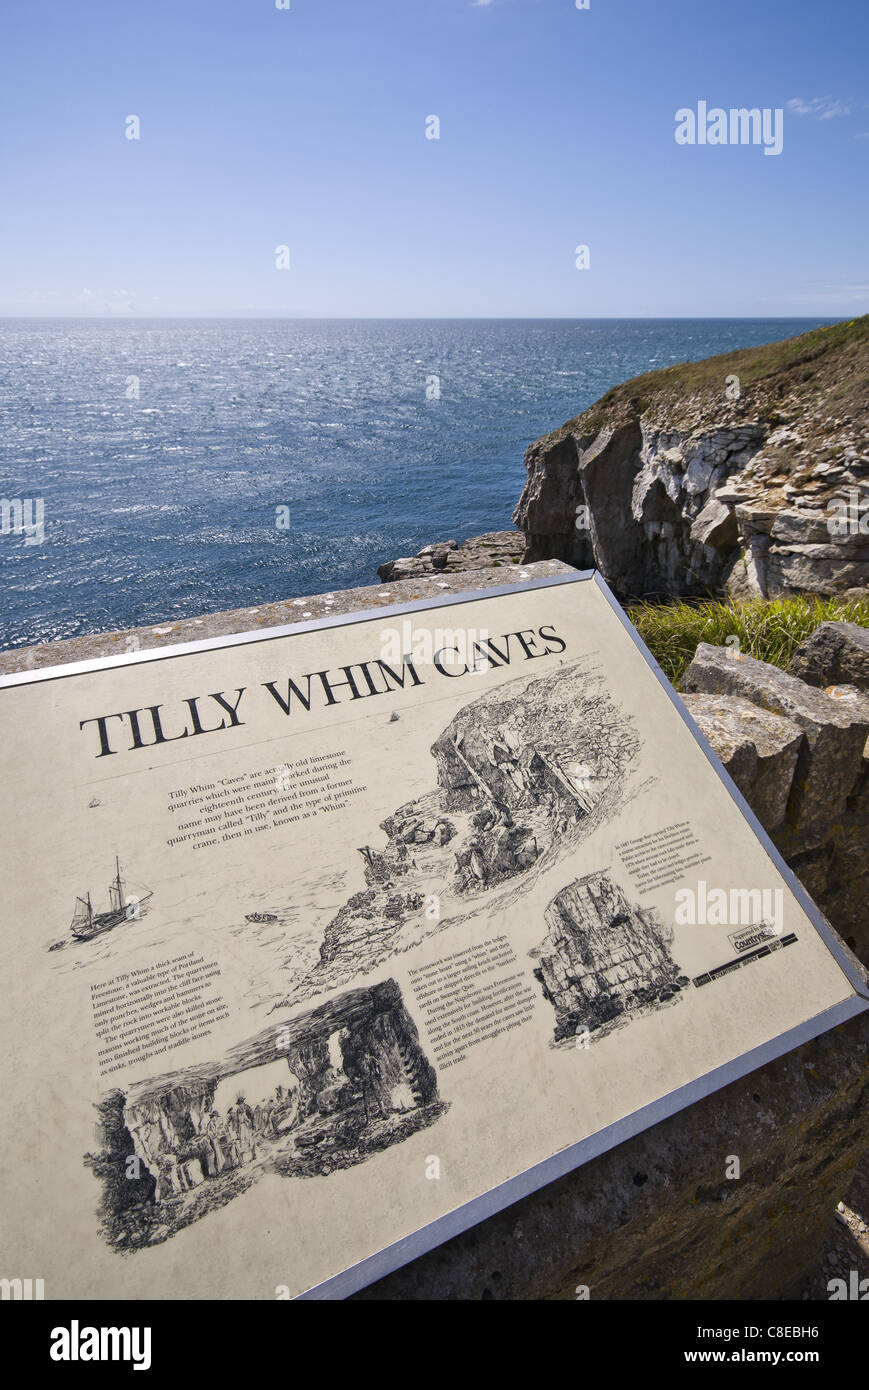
(320, 944)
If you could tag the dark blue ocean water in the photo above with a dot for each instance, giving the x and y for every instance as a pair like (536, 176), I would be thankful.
(164, 506)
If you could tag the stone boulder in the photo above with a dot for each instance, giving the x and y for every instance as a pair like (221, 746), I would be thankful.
(405, 567)
(436, 547)
(716, 525)
(759, 750)
(830, 758)
(835, 654)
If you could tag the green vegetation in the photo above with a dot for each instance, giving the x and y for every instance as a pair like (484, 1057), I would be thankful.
(770, 630)
(828, 362)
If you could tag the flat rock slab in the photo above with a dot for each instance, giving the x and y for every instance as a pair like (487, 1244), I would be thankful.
(830, 759)
(835, 654)
(759, 750)
(716, 525)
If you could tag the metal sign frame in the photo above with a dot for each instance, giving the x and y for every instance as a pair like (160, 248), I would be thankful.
(496, 1199)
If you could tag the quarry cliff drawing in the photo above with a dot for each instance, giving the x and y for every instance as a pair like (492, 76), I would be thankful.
(604, 960)
(321, 1092)
(523, 773)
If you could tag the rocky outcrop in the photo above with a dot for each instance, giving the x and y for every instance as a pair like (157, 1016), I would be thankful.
(493, 550)
(747, 473)
(798, 753)
(835, 654)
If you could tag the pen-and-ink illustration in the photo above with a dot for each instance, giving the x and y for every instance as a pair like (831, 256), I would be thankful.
(323, 1091)
(122, 907)
(523, 773)
(604, 960)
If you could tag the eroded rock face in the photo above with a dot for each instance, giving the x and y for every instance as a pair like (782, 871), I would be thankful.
(670, 487)
(676, 512)
(657, 522)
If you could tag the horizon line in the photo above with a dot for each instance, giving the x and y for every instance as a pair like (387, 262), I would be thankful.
(419, 318)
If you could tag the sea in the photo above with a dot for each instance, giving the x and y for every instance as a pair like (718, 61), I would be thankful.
(186, 466)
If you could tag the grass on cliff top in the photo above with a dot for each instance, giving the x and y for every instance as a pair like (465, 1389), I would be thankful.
(770, 630)
(834, 358)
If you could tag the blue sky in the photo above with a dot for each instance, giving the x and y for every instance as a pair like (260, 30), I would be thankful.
(306, 127)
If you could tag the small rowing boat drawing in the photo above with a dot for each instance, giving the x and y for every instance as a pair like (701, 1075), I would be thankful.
(86, 923)
(261, 917)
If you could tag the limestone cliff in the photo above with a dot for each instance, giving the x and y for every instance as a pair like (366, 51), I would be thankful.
(747, 472)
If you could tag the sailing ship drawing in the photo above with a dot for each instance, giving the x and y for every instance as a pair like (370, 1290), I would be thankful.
(86, 923)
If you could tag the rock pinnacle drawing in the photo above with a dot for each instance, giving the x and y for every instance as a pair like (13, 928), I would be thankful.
(603, 958)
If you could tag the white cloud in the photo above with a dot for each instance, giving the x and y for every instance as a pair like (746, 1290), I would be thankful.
(824, 108)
